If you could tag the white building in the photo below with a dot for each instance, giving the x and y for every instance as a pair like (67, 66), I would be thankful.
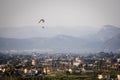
(33, 62)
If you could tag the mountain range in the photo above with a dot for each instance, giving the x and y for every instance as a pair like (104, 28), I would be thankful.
(107, 39)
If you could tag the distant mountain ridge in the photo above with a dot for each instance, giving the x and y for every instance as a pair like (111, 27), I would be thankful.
(108, 38)
(113, 43)
(111, 36)
(108, 31)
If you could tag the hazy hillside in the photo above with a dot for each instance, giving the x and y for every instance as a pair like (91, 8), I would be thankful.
(107, 32)
(57, 42)
(113, 44)
(108, 38)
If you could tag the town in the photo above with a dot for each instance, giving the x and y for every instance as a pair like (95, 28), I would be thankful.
(60, 66)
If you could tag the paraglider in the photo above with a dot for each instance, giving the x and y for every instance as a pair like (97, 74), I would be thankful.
(41, 21)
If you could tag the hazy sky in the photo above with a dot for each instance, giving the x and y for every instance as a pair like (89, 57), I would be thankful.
(59, 12)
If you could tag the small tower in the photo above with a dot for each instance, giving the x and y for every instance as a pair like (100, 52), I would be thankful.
(33, 59)
(33, 62)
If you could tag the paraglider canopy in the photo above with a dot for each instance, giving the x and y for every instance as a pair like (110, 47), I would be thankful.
(41, 21)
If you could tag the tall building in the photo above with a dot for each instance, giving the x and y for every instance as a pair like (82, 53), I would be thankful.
(33, 62)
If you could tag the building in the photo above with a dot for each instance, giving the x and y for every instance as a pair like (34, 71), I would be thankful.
(33, 62)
